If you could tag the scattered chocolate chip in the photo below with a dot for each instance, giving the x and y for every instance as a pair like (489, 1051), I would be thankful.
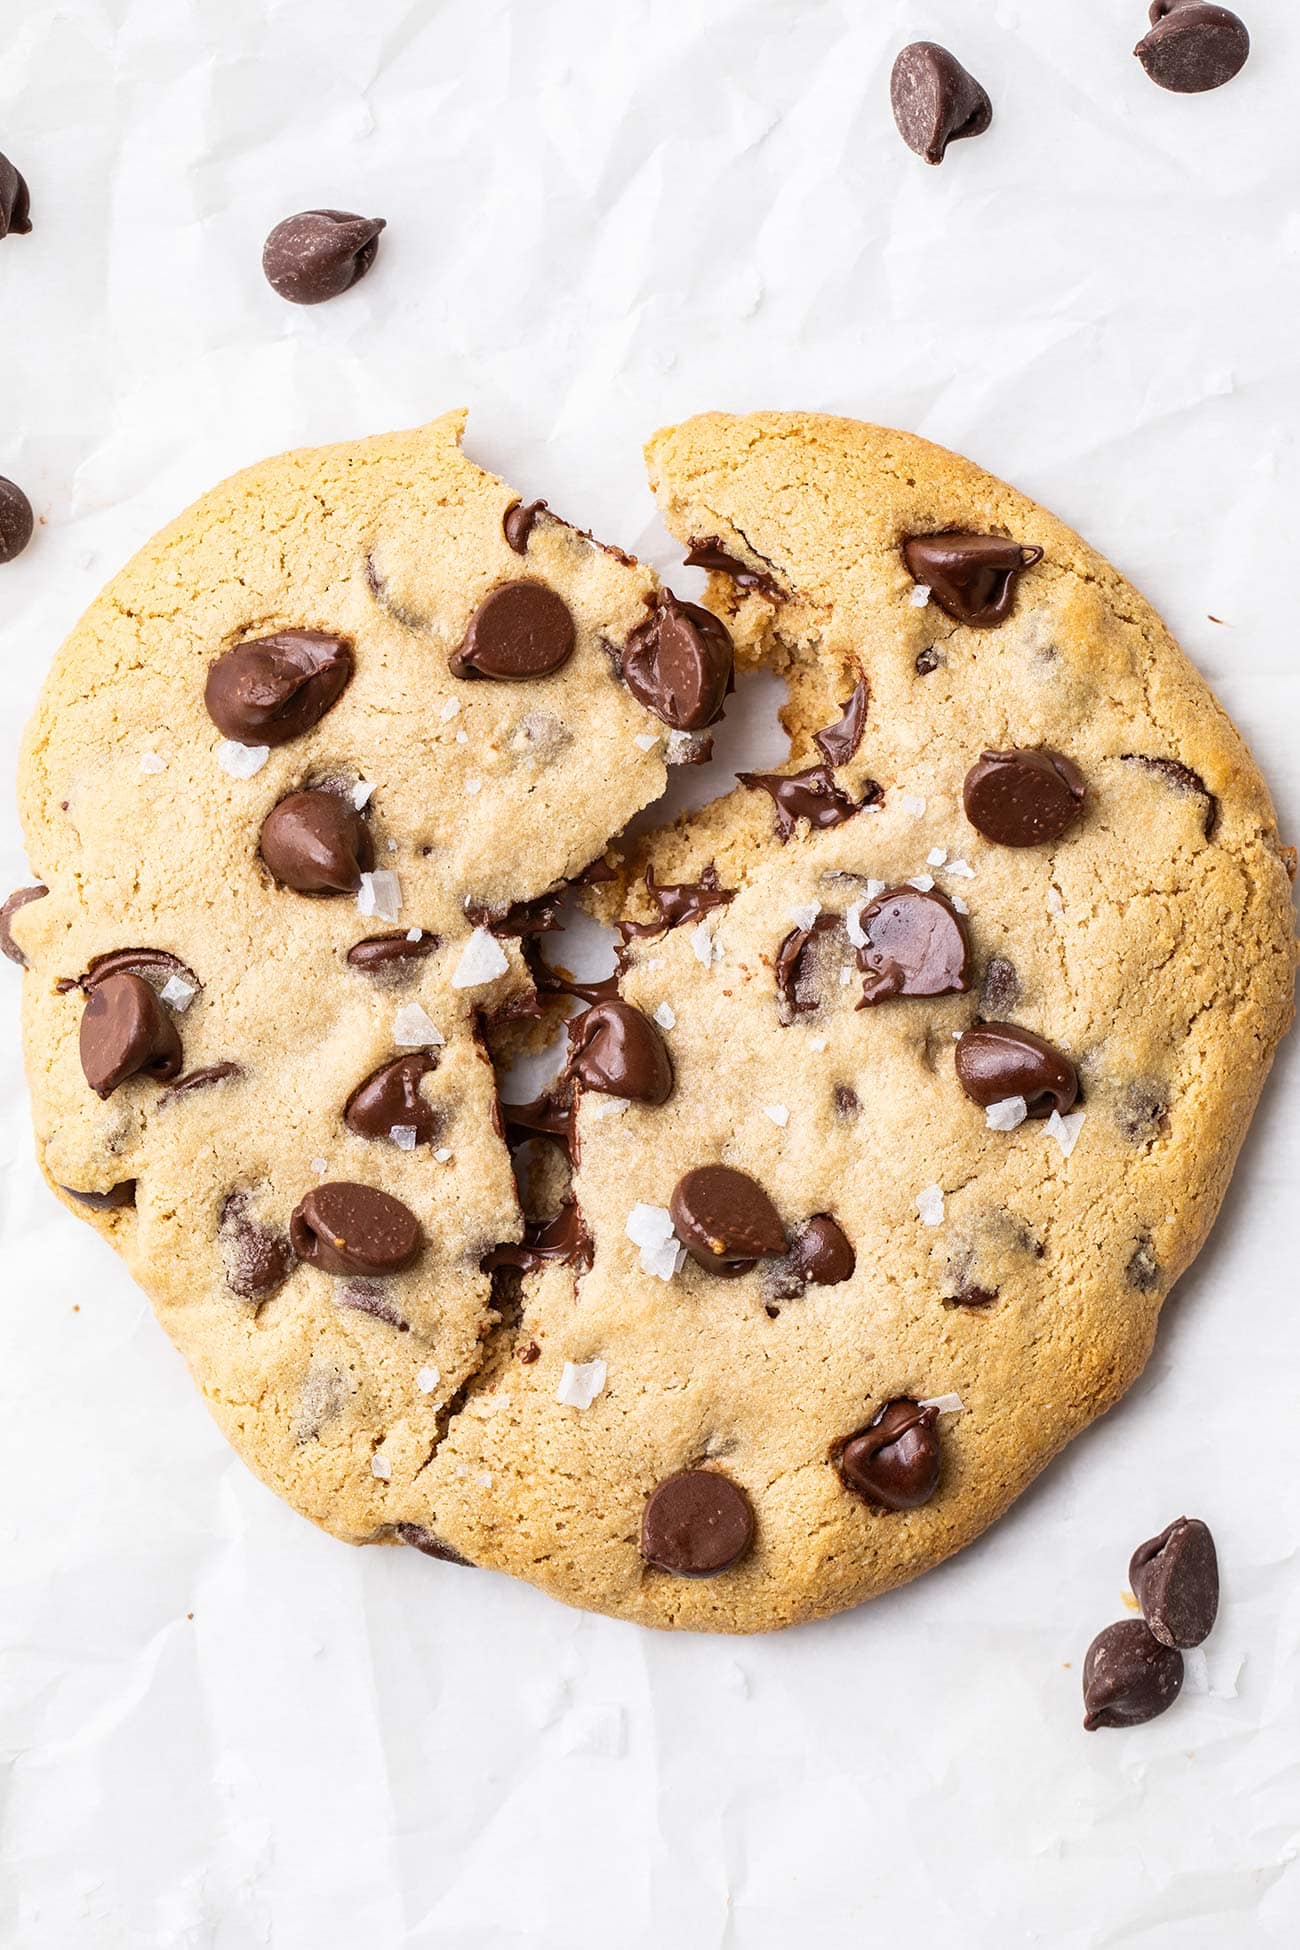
(688, 901)
(347, 1228)
(15, 202)
(317, 843)
(1143, 1269)
(822, 1253)
(518, 522)
(614, 1048)
(1175, 1579)
(812, 795)
(17, 521)
(679, 663)
(1142, 1112)
(390, 1099)
(1023, 797)
(725, 1219)
(1129, 1677)
(1000, 989)
(255, 1258)
(847, 1103)
(319, 254)
(895, 1461)
(522, 630)
(838, 742)
(392, 957)
(696, 1524)
(359, 1296)
(1192, 47)
(19, 898)
(116, 1199)
(199, 1080)
(563, 1237)
(916, 945)
(935, 101)
(277, 687)
(126, 1032)
(1182, 779)
(152, 963)
(798, 976)
(424, 1540)
(996, 1060)
(708, 553)
(971, 577)
(927, 660)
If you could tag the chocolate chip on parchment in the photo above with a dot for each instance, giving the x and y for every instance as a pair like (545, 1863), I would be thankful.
(696, 1524)
(838, 742)
(15, 202)
(1128, 1676)
(935, 100)
(1023, 797)
(17, 522)
(521, 630)
(317, 843)
(255, 1258)
(277, 687)
(199, 1080)
(895, 1461)
(518, 522)
(118, 1198)
(812, 795)
(1192, 46)
(679, 663)
(996, 1060)
(126, 1032)
(615, 1048)
(347, 1228)
(686, 901)
(319, 254)
(1175, 1579)
(392, 957)
(916, 945)
(725, 1219)
(821, 1253)
(389, 1099)
(19, 898)
(971, 577)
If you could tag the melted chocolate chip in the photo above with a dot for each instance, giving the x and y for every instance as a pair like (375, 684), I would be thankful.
(1023, 797)
(927, 660)
(996, 1060)
(1000, 989)
(199, 1080)
(822, 1254)
(19, 898)
(895, 1461)
(348, 1228)
(522, 630)
(319, 254)
(725, 1219)
(614, 1048)
(935, 101)
(116, 1199)
(15, 202)
(392, 957)
(126, 1032)
(563, 1237)
(549, 1115)
(17, 521)
(538, 916)
(916, 945)
(1129, 1677)
(1175, 1579)
(688, 901)
(812, 795)
(518, 522)
(679, 664)
(1180, 778)
(148, 962)
(838, 742)
(256, 1258)
(359, 1296)
(798, 984)
(390, 1099)
(971, 577)
(431, 1545)
(696, 1524)
(1143, 1269)
(1192, 46)
(277, 687)
(708, 553)
(317, 843)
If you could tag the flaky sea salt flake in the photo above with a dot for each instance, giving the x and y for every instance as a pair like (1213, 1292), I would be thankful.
(936, 856)
(427, 1379)
(482, 960)
(665, 1017)
(957, 904)
(381, 1467)
(920, 595)
(443, 1154)
(645, 741)
(414, 1029)
(778, 1113)
(703, 946)
(403, 1136)
(449, 709)
(929, 1203)
(804, 915)
(241, 761)
(1065, 1129)
(177, 994)
(152, 763)
(922, 882)
(962, 868)
(415, 934)
(946, 1404)
(580, 1383)
(650, 1228)
(380, 895)
(912, 804)
(1006, 1114)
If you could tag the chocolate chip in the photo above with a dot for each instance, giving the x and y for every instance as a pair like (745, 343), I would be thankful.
(1000, 989)
(277, 687)
(895, 1461)
(1142, 1112)
(800, 968)
(390, 1099)
(1143, 1269)
(522, 630)
(838, 742)
(126, 1032)
(970, 1296)
(1129, 1677)
(696, 1524)
(547, 1115)
(725, 1219)
(155, 964)
(255, 1258)
(317, 843)
(616, 1049)
(319, 254)
(708, 553)
(347, 1228)
(847, 1103)
(518, 522)
(822, 1253)
(1175, 1579)
(812, 795)
(928, 660)
(679, 664)
(15, 202)
(19, 898)
(687, 901)
(1023, 797)
(564, 1238)
(424, 1540)
(391, 957)
(537, 916)
(971, 577)
(358, 1296)
(1182, 779)
(935, 101)
(1192, 47)
(16, 520)
(996, 1060)
(116, 1199)
(199, 1080)
(529, 1353)
(916, 945)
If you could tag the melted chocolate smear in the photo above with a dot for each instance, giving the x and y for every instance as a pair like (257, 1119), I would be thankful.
(797, 986)
(838, 742)
(708, 553)
(129, 961)
(1182, 779)
(199, 1080)
(537, 916)
(812, 795)
(563, 1238)
(687, 901)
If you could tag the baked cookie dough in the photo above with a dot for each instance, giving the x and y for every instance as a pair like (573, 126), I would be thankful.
(922, 1080)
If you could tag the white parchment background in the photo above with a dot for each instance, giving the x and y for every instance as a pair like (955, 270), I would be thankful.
(221, 1729)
